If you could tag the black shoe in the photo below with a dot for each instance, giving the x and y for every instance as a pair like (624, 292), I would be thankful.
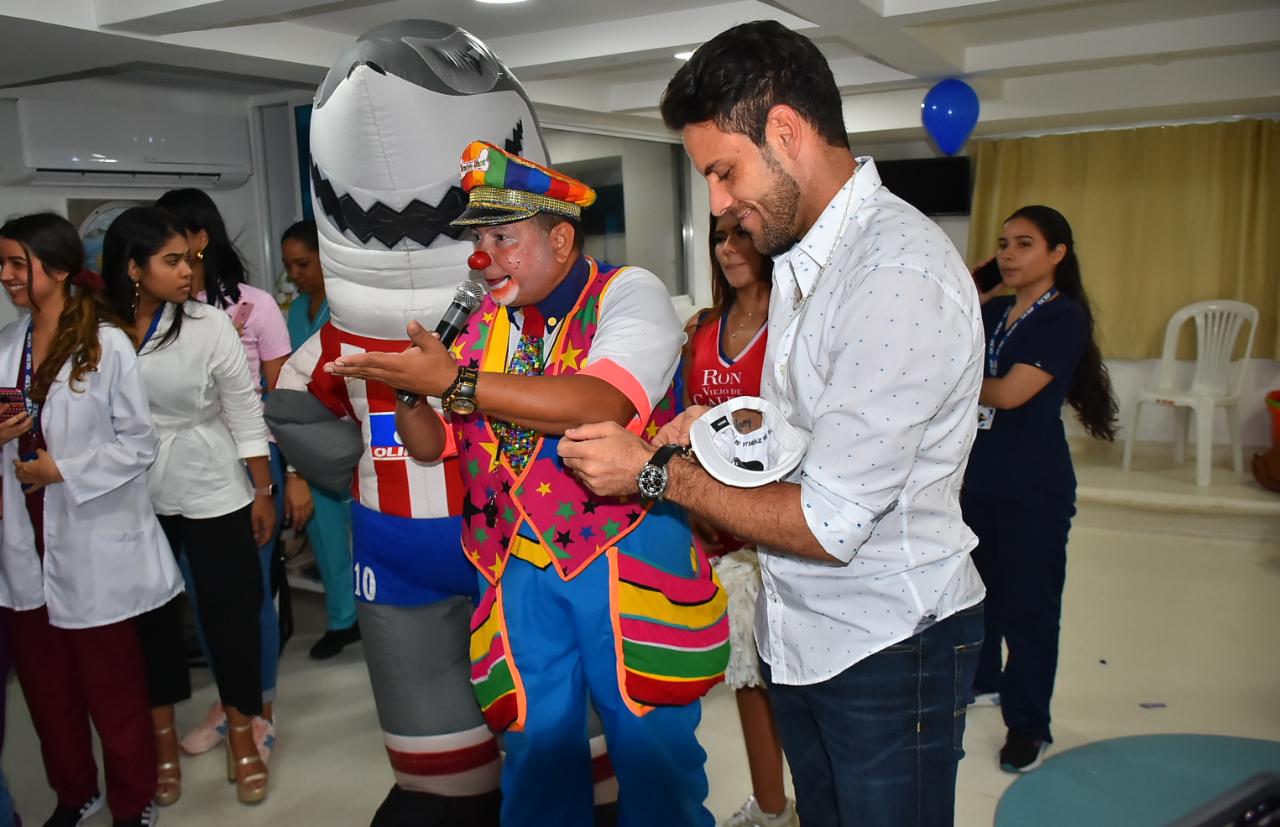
(1022, 752)
(149, 818)
(73, 816)
(403, 808)
(332, 641)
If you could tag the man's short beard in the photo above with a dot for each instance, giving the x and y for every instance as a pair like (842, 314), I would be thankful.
(778, 210)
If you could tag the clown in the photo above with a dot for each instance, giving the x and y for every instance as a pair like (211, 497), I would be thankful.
(583, 597)
(385, 127)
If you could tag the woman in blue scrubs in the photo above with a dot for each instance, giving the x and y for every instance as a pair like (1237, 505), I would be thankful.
(1019, 488)
(329, 529)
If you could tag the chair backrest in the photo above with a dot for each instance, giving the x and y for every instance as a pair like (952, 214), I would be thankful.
(1218, 324)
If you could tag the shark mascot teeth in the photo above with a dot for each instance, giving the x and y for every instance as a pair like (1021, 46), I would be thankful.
(389, 121)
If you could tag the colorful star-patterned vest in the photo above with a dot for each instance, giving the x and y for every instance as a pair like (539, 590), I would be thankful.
(573, 525)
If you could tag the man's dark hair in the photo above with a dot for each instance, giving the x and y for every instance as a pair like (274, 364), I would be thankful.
(735, 78)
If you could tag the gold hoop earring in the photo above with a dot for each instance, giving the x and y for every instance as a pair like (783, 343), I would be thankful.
(199, 255)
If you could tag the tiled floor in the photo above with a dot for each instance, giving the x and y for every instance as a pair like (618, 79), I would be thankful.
(1185, 616)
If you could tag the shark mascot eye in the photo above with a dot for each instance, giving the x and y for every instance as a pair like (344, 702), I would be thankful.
(389, 122)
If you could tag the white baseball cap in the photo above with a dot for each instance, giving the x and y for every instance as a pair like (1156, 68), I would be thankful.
(747, 442)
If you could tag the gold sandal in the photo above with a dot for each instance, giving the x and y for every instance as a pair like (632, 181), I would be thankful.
(252, 788)
(168, 773)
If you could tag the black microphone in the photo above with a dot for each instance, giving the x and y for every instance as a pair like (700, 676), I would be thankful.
(466, 299)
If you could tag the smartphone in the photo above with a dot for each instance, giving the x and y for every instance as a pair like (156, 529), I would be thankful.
(12, 403)
(987, 276)
(241, 313)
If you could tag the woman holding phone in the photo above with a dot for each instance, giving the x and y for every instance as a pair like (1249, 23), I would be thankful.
(1020, 486)
(210, 426)
(218, 278)
(81, 553)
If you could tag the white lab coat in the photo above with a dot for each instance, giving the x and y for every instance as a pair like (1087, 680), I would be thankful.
(106, 558)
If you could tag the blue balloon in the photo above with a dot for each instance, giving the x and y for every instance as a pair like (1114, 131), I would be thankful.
(950, 112)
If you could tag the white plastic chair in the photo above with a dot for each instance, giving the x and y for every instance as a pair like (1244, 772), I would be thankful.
(1217, 382)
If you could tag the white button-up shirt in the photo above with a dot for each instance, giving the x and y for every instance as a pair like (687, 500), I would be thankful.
(206, 412)
(875, 350)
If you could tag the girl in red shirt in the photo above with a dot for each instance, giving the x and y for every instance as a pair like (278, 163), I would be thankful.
(723, 359)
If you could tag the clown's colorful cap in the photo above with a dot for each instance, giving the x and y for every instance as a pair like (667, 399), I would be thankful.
(505, 188)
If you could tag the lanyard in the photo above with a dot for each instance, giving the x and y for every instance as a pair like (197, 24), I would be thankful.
(1001, 335)
(33, 407)
(151, 331)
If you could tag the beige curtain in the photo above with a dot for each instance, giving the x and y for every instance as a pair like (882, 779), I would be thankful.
(1162, 216)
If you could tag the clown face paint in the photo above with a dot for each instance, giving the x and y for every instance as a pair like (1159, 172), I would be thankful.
(523, 268)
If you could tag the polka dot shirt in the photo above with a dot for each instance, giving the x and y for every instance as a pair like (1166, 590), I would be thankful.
(875, 350)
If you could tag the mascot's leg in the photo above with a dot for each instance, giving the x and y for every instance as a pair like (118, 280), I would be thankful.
(444, 757)
(606, 783)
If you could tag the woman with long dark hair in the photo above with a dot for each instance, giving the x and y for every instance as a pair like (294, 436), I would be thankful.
(1019, 488)
(209, 421)
(218, 278)
(329, 529)
(81, 552)
(724, 359)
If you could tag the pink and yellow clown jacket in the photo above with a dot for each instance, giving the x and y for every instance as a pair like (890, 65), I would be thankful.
(668, 609)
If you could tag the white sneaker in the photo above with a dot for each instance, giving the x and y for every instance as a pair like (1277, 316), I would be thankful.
(750, 815)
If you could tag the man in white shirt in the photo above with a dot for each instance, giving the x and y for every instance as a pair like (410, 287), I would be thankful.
(869, 621)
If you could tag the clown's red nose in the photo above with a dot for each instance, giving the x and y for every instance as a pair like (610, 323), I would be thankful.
(479, 260)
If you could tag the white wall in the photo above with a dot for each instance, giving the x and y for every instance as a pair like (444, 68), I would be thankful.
(649, 205)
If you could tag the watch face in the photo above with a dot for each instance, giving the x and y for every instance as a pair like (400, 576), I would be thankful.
(462, 405)
(652, 481)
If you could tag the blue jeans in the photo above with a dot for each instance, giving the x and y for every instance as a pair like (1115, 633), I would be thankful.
(877, 745)
(6, 805)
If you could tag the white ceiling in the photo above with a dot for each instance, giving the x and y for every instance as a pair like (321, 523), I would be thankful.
(1036, 64)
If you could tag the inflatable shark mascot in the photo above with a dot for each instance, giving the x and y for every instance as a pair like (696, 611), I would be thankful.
(388, 123)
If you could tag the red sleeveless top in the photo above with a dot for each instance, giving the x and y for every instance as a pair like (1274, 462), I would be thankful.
(713, 378)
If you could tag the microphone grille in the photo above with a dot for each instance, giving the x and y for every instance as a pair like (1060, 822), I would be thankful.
(469, 295)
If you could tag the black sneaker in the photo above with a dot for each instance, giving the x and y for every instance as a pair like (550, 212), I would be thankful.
(1022, 752)
(73, 816)
(332, 641)
(149, 818)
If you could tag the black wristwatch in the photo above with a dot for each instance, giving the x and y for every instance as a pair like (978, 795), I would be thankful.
(653, 477)
(410, 400)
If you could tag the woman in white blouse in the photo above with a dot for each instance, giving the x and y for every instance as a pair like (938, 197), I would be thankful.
(210, 426)
(81, 553)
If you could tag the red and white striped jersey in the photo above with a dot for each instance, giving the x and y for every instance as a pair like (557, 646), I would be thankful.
(387, 479)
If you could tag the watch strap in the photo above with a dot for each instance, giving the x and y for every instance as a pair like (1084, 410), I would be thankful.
(664, 454)
(463, 387)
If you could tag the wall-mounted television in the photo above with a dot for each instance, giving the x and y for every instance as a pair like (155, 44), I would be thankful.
(934, 186)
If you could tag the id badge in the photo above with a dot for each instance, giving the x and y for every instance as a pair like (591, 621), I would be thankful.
(986, 416)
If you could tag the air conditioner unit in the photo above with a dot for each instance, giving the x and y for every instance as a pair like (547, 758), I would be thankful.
(64, 143)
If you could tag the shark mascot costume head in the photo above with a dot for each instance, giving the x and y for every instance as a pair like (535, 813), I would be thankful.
(389, 121)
